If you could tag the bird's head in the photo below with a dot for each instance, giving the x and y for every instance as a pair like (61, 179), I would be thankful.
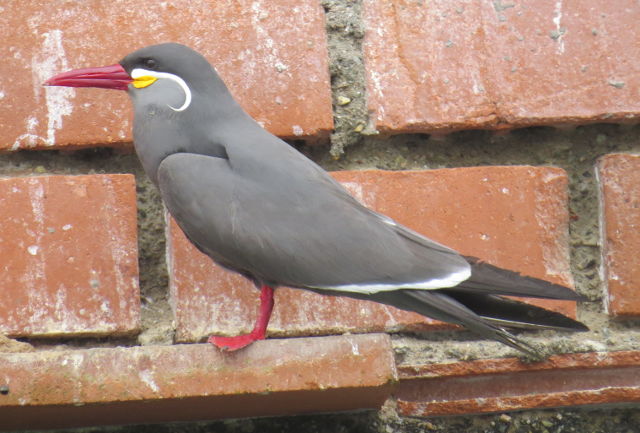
(159, 72)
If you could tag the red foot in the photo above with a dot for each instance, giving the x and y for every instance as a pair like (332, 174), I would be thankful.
(259, 329)
(229, 344)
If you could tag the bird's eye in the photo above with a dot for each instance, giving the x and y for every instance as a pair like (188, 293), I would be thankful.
(150, 63)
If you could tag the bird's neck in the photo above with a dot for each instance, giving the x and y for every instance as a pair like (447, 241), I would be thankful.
(160, 131)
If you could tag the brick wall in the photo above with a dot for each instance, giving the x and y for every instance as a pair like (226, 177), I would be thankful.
(411, 105)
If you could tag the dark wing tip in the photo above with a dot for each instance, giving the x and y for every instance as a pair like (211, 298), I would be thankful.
(511, 313)
(492, 279)
(512, 341)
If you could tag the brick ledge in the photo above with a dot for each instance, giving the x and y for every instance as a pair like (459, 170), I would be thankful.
(149, 384)
(497, 385)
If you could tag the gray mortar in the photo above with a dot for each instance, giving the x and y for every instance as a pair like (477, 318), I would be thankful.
(346, 67)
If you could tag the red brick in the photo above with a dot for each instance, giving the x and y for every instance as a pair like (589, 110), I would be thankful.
(194, 382)
(68, 246)
(515, 217)
(442, 66)
(497, 385)
(271, 54)
(619, 176)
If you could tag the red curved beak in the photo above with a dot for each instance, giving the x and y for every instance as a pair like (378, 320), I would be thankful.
(106, 77)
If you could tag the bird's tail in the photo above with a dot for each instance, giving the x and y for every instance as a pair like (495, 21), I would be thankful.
(486, 315)
(510, 313)
(489, 279)
(478, 304)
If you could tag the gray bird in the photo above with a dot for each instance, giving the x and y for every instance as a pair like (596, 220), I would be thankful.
(258, 207)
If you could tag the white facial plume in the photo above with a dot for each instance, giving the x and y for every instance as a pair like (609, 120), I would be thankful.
(143, 78)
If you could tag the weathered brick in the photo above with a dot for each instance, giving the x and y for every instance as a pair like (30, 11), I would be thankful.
(515, 217)
(497, 385)
(68, 246)
(194, 382)
(619, 176)
(442, 66)
(271, 54)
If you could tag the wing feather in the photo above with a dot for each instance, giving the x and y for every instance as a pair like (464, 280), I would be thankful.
(309, 234)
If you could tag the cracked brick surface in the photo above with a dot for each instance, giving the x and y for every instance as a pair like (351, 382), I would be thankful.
(69, 252)
(440, 66)
(619, 176)
(277, 72)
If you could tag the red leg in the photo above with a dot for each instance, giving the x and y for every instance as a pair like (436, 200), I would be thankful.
(259, 329)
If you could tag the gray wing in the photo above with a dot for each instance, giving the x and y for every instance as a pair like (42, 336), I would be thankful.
(302, 231)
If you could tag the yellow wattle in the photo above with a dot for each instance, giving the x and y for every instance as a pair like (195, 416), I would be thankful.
(143, 81)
